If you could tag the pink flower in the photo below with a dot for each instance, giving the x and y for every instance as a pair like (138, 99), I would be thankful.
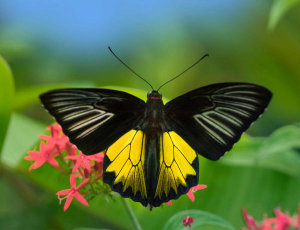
(84, 161)
(191, 192)
(250, 222)
(57, 136)
(73, 192)
(169, 203)
(188, 221)
(46, 154)
(282, 221)
(195, 189)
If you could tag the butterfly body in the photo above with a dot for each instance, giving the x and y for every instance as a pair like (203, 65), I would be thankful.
(151, 148)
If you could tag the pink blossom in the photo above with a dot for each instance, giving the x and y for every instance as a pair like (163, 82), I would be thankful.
(169, 203)
(250, 222)
(195, 189)
(191, 192)
(73, 192)
(46, 154)
(188, 221)
(57, 136)
(281, 221)
(84, 161)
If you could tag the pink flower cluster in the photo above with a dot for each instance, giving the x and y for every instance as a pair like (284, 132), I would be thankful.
(57, 151)
(57, 148)
(281, 221)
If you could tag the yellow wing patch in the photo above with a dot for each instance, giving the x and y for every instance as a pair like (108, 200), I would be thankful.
(127, 156)
(176, 158)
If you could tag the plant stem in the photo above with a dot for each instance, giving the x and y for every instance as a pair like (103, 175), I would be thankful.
(131, 214)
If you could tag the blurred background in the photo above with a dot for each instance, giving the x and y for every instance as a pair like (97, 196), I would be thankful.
(52, 44)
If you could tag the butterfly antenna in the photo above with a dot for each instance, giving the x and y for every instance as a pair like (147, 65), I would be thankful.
(206, 55)
(129, 67)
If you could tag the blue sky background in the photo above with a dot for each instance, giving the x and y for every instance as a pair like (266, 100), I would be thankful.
(82, 25)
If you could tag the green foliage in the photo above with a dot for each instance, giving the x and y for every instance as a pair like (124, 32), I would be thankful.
(90, 229)
(279, 8)
(280, 151)
(22, 135)
(201, 219)
(6, 98)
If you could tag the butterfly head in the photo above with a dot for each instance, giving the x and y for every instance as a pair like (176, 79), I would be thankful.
(154, 95)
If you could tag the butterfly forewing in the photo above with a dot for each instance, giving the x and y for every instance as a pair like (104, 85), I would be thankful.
(212, 118)
(93, 119)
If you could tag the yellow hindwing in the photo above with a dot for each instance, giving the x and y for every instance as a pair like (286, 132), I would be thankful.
(176, 158)
(127, 156)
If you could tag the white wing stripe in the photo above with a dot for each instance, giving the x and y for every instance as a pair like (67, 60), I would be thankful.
(228, 117)
(80, 113)
(246, 92)
(93, 128)
(246, 99)
(72, 107)
(239, 104)
(89, 120)
(222, 128)
(235, 111)
(210, 131)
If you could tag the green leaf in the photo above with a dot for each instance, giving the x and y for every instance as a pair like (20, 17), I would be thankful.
(244, 151)
(201, 218)
(278, 9)
(279, 152)
(6, 98)
(22, 134)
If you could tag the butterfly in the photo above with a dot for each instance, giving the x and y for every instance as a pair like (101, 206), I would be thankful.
(151, 148)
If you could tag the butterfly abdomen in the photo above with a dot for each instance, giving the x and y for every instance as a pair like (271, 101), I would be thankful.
(151, 166)
(153, 128)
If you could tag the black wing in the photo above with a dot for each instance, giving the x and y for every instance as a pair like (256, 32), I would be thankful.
(212, 118)
(93, 119)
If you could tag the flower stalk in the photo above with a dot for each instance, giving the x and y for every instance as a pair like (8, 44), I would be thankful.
(131, 214)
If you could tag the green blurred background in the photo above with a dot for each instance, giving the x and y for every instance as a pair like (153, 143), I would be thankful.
(54, 44)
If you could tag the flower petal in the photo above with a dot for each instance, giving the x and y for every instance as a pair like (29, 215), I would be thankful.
(72, 157)
(77, 165)
(63, 192)
(169, 203)
(37, 164)
(250, 222)
(68, 202)
(53, 162)
(82, 184)
(72, 181)
(190, 194)
(199, 186)
(45, 137)
(80, 198)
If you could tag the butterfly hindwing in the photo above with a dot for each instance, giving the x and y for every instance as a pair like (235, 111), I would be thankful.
(212, 118)
(124, 166)
(178, 168)
(93, 119)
